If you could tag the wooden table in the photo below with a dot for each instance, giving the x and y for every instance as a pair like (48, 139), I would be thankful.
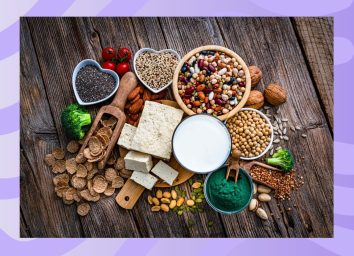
(296, 52)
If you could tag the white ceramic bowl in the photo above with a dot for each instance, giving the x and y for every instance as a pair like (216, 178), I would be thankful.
(271, 136)
(142, 50)
(88, 62)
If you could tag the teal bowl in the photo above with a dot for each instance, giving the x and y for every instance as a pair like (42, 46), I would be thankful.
(209, 201)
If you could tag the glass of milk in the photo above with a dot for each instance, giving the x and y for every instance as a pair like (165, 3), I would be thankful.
(201, 143)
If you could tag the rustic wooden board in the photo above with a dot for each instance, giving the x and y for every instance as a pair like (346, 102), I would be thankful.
(318, 52)
(52, 47)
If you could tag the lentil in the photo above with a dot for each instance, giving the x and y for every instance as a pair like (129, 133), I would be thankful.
(93, 84)
(283, 183)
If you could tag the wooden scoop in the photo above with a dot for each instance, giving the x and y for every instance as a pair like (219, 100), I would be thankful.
(248, 166)
(116, 109)
(233, 167)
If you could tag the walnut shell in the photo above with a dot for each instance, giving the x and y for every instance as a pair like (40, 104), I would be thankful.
(255, 100)
(256, 75)
(275, 94)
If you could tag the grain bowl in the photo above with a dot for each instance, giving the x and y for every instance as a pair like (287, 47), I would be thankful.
(211, 79)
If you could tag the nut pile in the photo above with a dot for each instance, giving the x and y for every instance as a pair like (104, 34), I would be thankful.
(211, 82)
(156, 69)
(177, 200)
(250, 133)
(263, 196)
(135, 103)
(282, 183)
(78, 178)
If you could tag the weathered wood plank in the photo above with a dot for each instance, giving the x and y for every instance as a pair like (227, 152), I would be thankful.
(316, 40)
(271, 44)
(60, 44)
(38, 137)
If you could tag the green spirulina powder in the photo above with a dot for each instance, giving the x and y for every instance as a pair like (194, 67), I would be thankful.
(227, 195)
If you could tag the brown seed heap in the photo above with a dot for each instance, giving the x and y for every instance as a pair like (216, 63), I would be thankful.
(79, 179)
(283, 183)
(250, 133)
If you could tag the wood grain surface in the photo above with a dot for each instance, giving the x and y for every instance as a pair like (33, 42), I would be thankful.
(296, 53)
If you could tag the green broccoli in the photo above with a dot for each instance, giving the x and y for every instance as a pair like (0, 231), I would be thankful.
(283, 159)
(75, 120)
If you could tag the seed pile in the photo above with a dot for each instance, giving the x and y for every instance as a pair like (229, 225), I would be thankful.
(93, 85)
(156, 69)
(79, 179)
(176, 200)
(283, 183)
(250, 132)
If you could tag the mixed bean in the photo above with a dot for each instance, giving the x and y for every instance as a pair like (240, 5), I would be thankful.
(211, 82)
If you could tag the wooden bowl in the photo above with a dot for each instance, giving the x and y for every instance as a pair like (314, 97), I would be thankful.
(232, 55)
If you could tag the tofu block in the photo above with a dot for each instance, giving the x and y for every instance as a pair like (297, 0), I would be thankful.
(156, 126)
(137, 161)
(165, 172)
(126, 136)
(145, 179)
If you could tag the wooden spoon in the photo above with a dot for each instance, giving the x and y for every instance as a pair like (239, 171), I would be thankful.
(233, 167)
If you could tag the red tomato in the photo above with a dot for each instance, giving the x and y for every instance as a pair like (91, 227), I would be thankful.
(108, 53)
(124, 55)
(109, 65)
(122, 68)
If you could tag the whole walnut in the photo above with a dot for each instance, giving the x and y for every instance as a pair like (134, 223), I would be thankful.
(275, 94)
(256, 75)
(255, 100)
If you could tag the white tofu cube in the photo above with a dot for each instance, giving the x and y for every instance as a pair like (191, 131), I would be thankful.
(126, 136)
(165, 172)
(145, 179)
(137, 161)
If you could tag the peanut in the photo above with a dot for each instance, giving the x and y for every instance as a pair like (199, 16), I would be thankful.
(167, 194)
(264, 197)
(156, 201)
(165, 200)
(174, 194)
(173, 204)
(180, 201)
(190, 202)
(159, 193)
(150, 199)
(196, 185)
(165, 207)
(155, 208)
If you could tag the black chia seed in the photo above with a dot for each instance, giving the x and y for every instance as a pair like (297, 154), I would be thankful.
(93, 85)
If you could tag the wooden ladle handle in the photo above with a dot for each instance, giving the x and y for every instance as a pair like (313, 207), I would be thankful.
(126, 85)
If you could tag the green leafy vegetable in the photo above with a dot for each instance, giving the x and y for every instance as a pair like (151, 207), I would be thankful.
(283, 159)
(75, 120)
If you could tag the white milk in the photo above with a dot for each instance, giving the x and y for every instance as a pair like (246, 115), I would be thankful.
(201, 143)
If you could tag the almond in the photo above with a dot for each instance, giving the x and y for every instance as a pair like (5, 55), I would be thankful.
(134, 117)
(158, 96)
(135, 99)
(133, 93)
(136, 107)
(147, 95)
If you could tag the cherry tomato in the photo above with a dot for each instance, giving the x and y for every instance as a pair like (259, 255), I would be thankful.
(108, 53)
(122, 68)
(124, 55)
(109, 65)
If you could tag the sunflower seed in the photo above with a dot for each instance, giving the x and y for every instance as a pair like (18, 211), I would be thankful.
(284, 131)
(286, 138)
(281, 127)
(297, 127)
(292, 128)
(276, 141)
(271, 152)
(275, 128)
(276, 133)
(278, 110)
(285, 120)
(281, 137)
(278, 148)
(268, 115)
(304, 135)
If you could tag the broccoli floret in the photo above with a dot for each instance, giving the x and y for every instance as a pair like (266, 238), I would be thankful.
(75, 120)
(283, 159)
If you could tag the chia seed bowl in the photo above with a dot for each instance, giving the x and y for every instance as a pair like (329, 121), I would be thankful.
(95, 81)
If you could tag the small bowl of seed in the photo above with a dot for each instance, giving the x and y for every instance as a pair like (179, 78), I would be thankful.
(155, 69)
(93, 84)
(251, 132)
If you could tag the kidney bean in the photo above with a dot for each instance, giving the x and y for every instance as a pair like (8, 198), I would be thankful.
(201, 95)
(207, 90)
(241, 84)
(196, 103)
(190, 90)
(200, 63)
(219, 101)
(211, 68)
(216, 86)
(200, 87)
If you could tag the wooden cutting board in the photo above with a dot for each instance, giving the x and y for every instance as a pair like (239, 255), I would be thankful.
(131, 191)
